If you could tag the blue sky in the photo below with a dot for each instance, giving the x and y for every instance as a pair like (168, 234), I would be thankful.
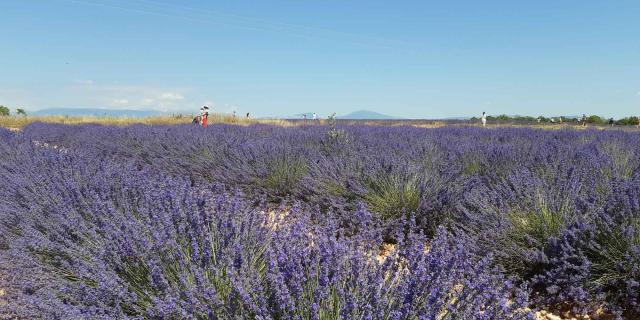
(417, 59)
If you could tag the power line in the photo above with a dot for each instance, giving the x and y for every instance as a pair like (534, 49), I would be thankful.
(277, 25)
(241, 22)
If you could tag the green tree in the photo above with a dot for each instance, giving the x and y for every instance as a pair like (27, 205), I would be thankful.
(633, 120)
(21, 112)
(544, 119)
(595, 119)
(4, 111)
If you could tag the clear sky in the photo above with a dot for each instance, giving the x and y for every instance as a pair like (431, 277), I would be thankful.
(417, 59)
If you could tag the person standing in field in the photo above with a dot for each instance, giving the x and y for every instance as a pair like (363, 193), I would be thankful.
(315, 117)
(204, 116)
(611, 122)
(483, 119)
(584, 120)
(247, 115)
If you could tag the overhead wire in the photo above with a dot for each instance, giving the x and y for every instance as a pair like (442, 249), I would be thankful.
(205, 16)
(275, 24)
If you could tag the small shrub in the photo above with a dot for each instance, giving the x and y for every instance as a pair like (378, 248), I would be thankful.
(284, 174)
(391, 195)
(336, 138)
(536, 227)
(4, 111)
(527, 237)
(623, 159)
(615, 257)
(593, 267)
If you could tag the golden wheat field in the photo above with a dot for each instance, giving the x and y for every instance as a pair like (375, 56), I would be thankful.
(17, 122)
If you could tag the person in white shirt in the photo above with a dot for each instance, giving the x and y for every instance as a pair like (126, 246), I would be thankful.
(484, 119)
(315, 117)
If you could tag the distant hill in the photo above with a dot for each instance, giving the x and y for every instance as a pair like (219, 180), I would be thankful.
(366, 115)
(455, 118)
(99, 112)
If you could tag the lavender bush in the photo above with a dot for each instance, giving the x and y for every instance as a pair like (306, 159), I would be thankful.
(555, 210)
(88, 238)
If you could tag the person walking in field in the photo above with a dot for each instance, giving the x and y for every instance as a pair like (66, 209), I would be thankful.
(611, 122)
(584, 120)
(315, 117)
(483, 119)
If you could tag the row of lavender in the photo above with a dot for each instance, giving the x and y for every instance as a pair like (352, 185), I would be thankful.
(86, 237)
(556, 210)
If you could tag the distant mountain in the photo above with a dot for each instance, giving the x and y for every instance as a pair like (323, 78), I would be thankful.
(366, 115)
(455, 118)
(99, 112)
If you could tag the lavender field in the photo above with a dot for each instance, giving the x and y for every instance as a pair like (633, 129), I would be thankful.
(318, 222)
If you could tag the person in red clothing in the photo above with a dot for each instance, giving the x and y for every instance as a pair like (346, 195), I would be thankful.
(204, 115)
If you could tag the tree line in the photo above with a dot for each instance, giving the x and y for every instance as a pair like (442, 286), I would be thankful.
(592, 119)
(5, 111)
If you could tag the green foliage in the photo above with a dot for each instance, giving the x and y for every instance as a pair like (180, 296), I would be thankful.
(623, 159)
(525, 118)
(596, 119)
(567, 119)
(336, 189)
(504, 117)
(137, 275)
(610, 258)
(535, 227)
(334, 133)
(21, 112)
(529, 231)
(284, 174)
(628, 121)
(473, 163)
(472, 167)
(336, 139)
(4, 111)
(390, 195)
(544, 119)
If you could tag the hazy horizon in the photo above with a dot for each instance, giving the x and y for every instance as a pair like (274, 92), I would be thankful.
(412, 59)
(351, 114)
